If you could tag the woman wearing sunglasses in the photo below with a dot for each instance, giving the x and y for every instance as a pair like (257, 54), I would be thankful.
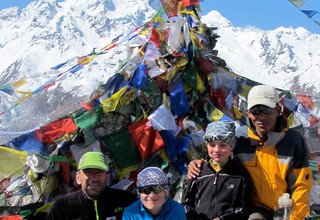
(275, 156)
(154, 203)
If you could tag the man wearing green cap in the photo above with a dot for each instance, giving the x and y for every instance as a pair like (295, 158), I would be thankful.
(94, 200)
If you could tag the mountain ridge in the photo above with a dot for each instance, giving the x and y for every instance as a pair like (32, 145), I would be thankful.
(47, 33)
(281, 52)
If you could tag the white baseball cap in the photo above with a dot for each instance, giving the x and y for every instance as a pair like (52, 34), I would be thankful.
(263, 95)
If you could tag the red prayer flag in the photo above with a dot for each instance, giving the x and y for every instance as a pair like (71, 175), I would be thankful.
(55, 130)
(313, 120)
(109, 47)
(87, 105)
(187, 3)
(48, 85)
(170, 7)
(154, 38)
(145, 138)
(11, 217)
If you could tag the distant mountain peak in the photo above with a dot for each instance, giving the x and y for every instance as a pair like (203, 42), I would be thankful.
(273, 57)
(47, 33)
(214, 18)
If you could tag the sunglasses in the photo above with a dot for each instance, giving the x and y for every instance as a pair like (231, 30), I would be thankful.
(261, 109)
(155, 189)
(218, 137)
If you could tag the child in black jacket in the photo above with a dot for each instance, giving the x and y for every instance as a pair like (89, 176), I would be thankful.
(221, 190)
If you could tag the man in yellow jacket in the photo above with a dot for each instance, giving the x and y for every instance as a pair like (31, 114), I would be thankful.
(275, 156)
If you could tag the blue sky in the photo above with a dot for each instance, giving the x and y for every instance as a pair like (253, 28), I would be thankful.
(267, 15)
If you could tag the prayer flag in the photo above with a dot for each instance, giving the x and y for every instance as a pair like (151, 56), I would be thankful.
(170, 7)
(305, 100)
(145, 138)
(310, 13)
(178, 100)
(55, 130)
(297, 3)
(19, 83)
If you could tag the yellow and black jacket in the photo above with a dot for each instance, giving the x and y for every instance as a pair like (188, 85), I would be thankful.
(277, 165)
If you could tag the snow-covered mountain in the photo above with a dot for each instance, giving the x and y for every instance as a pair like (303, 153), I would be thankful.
(46, 33)
(286, 58)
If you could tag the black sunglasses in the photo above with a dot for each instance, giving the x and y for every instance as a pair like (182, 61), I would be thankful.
(155, 189)
(261, 109)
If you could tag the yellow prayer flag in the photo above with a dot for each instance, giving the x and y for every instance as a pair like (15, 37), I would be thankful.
(181, 62)
(170, 73)
(25, 97)
(141, 53)
(127, 97)
(201, 30)
(88, 60)
(44, 208)
(291, 120)
(237, 113)
(200, 84)
(22, 92)
(111, 103)
(9, 169)
(194, 39)
(182, 10)
(159, 19)
(144, 32)
(216, 114)
(19, 83)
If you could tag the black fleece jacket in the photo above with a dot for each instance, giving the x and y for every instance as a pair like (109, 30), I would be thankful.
(77, 206)
(221, 194)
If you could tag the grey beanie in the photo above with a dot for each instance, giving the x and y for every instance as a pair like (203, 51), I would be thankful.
(221, 130)
(151, 176)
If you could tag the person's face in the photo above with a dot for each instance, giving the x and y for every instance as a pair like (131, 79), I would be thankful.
(153, 201)
(264, 119)
(219, 151)
(92, 181)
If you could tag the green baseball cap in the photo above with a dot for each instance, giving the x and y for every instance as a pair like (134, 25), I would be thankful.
(93, 160)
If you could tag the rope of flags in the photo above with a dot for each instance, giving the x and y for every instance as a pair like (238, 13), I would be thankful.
(153, 111)
(71, 66)
(77, 63)
(302, 5)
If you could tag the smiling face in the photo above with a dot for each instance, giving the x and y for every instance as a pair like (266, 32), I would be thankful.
(153, 202)
(92, 181)
(264, 122)
(219, 151)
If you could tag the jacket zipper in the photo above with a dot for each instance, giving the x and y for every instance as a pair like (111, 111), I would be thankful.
(96, 209)
(215, 190)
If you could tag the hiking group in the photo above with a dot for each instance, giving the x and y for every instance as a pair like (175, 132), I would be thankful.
(244, 174)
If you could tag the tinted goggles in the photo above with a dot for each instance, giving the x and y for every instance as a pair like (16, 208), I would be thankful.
(218, 137)
(155, 189)
(261, 109)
